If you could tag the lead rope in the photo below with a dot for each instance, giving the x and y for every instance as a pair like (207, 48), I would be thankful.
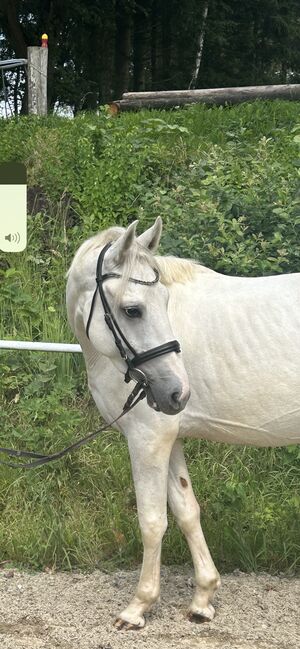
(136, 395)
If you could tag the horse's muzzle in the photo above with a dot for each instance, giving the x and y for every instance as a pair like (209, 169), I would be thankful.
(170, 402)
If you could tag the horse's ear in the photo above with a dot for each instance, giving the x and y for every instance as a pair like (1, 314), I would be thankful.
(122, 245)
(150, 238)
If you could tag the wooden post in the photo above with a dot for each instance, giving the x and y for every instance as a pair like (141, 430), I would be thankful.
(37, 78)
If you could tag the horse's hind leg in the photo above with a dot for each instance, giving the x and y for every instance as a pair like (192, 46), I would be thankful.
(150, 461)
(187, 512)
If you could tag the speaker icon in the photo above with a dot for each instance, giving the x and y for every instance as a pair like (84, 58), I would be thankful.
(13, 237)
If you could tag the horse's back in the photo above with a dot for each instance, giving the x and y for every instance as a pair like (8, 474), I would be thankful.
(241, 347)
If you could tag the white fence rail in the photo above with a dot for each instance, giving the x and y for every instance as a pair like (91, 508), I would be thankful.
(40, 346)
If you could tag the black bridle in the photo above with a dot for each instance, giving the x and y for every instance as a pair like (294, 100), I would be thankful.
(139, 391)
(121, 341)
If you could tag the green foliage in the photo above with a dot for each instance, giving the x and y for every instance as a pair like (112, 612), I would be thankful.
(226, 182)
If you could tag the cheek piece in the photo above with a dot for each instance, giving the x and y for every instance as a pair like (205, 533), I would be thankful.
(125, 348)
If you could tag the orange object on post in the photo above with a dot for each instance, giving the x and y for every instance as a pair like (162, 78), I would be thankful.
(44, 40)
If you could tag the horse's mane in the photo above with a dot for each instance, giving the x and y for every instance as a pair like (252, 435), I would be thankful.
(175, 269)
(171, 269)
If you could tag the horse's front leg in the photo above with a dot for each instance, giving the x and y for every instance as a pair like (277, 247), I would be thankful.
(150, 455)
(187, 512)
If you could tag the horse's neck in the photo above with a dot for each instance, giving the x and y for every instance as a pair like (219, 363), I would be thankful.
(184, 303)
(188, 293)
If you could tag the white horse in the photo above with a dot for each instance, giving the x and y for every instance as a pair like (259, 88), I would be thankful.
(240, 340)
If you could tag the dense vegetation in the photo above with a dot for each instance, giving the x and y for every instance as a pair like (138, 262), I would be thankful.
(226, 182)
(101, 48)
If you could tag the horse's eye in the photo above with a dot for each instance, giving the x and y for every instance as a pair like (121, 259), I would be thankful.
(133, 312)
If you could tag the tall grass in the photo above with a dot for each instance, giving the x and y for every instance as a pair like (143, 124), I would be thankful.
(226, 182)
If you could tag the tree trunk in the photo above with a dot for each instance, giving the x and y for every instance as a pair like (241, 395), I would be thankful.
(140, 47)
(92, 66)
(16, 35)
(166, 34)
(107, 62)
(156, 46)
(195, 75)
(123, 43)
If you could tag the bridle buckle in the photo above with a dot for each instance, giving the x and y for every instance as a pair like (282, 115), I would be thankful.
(138, 376)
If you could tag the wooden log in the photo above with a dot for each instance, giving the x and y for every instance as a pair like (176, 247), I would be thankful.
(218, 96)
(37, 80)
(286, 89)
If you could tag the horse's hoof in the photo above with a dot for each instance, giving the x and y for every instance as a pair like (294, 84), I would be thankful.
(123, 625)
(202, 615)
(197, 618)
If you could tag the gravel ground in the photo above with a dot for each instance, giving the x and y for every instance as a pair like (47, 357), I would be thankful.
(77, 611)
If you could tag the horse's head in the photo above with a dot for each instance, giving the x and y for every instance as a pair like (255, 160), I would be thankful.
(137, 302)
(140, 309)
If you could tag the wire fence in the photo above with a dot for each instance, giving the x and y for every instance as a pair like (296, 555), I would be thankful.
(12, 63)
(8, 65)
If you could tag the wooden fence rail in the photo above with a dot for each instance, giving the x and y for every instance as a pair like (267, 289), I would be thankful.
(217, 96)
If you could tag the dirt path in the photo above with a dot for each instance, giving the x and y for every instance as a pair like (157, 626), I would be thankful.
(76, 611)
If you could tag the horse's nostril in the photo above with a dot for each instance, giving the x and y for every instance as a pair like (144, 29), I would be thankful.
(176, 398)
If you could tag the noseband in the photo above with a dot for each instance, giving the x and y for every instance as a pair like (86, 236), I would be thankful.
(121, 341)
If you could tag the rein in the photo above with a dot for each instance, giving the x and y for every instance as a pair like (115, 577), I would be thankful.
(40, 459)
(139, 391)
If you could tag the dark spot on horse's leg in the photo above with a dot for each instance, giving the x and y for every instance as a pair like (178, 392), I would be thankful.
(183, 482)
